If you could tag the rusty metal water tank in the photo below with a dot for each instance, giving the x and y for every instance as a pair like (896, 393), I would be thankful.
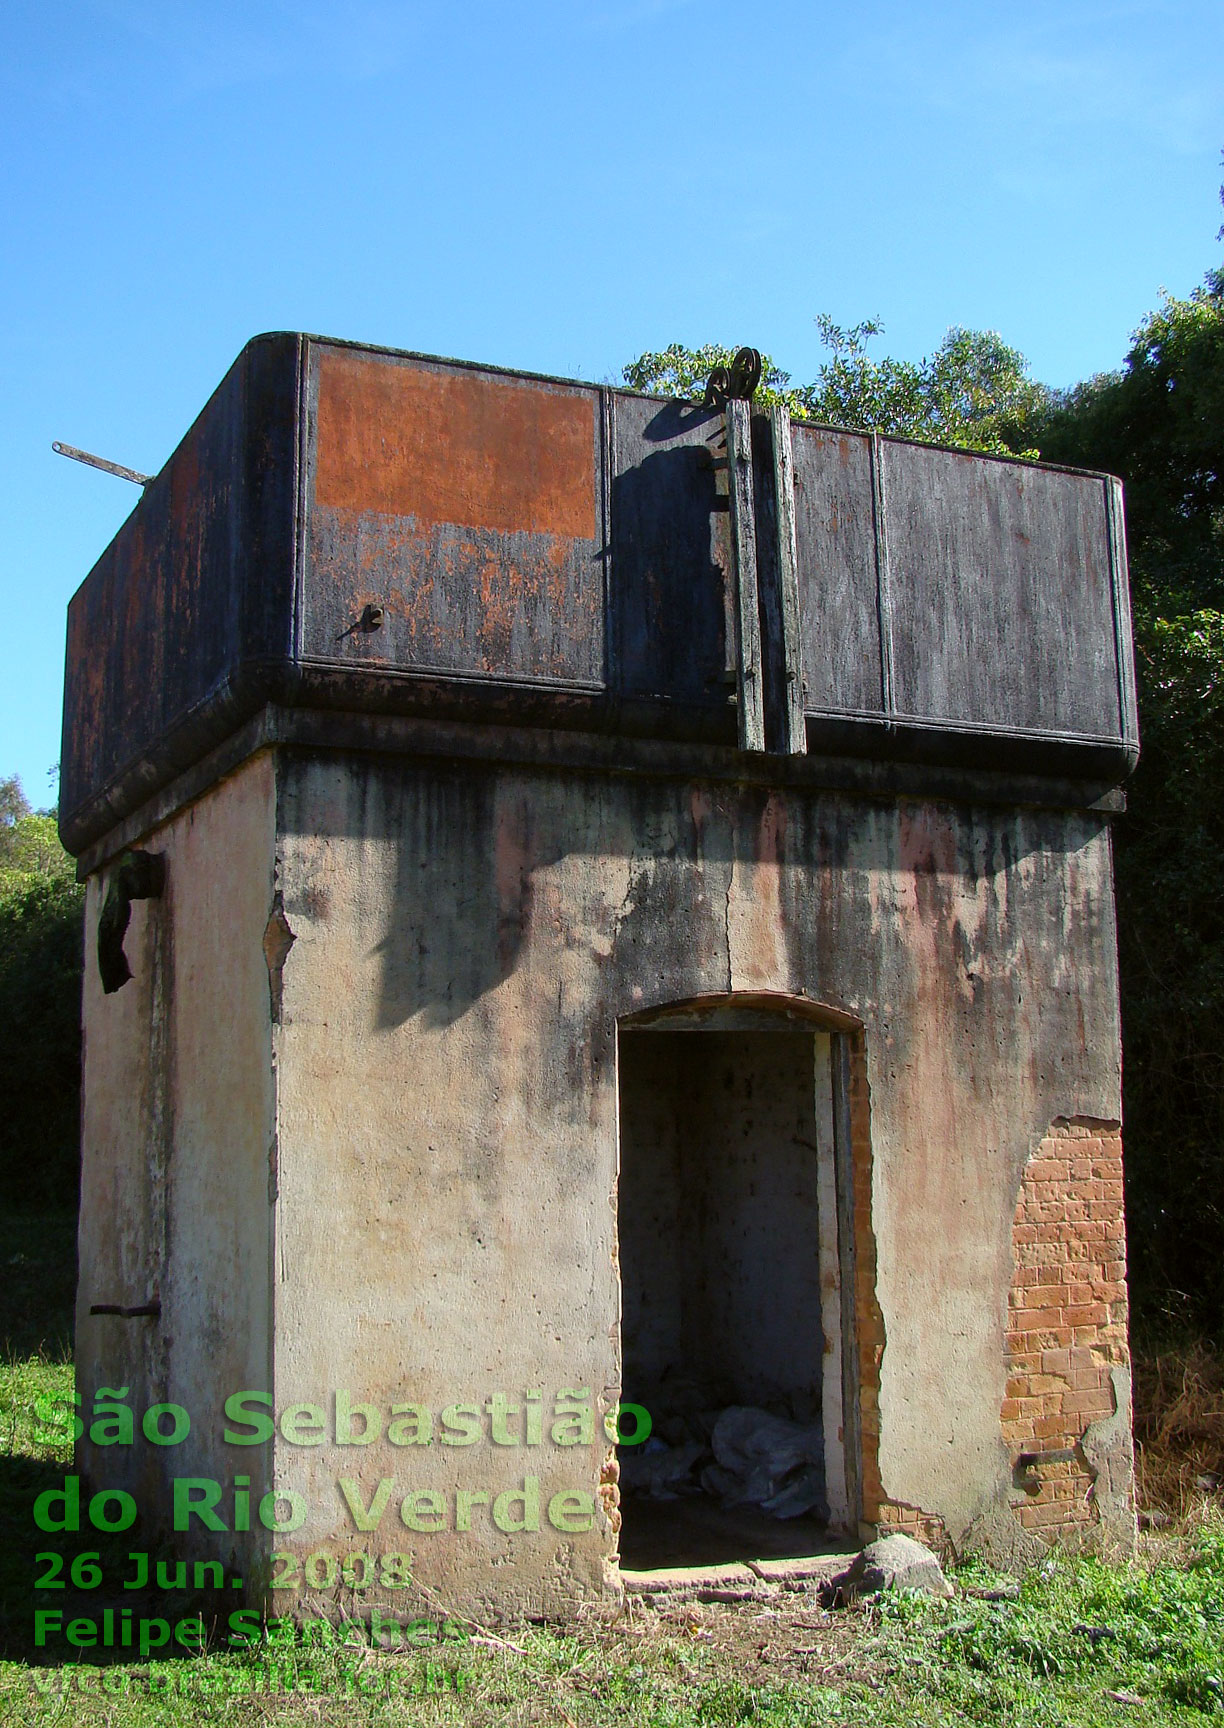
(349, 528)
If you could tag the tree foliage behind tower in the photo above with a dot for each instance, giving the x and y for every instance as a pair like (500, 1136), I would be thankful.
(1158, 422)
(40, 1008)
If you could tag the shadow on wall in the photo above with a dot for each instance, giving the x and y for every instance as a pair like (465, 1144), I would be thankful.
(668, 611)
(962, 914)
(473, 844)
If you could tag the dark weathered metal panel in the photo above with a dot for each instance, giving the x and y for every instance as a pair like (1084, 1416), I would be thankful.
(468, 506)
(1122, 613)
(836, 559)
(1001, 594)
(386, 533)
(195, 587)
(670, 554)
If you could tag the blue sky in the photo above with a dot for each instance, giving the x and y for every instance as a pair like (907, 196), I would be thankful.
(556, 187)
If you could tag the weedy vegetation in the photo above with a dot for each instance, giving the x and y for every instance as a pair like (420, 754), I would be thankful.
(1074, 1643)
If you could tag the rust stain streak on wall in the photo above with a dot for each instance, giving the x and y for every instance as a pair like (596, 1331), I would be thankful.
(452, 447)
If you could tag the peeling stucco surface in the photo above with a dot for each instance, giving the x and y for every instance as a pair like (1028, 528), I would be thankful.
(436, 1177)
(466, 943)
(178, 1127)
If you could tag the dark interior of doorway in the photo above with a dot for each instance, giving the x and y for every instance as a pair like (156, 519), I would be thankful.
(719, 1234)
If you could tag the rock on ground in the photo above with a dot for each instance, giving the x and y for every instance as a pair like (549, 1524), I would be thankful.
(893, 1563)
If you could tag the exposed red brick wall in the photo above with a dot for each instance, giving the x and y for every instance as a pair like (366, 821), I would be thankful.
(894, 1517)
(1066, 1323)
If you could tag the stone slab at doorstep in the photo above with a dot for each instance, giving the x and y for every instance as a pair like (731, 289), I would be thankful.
(668, 1579)
(737, 1580)
(814, 1569)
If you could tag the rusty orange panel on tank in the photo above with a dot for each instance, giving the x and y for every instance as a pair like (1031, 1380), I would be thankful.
(453, 447)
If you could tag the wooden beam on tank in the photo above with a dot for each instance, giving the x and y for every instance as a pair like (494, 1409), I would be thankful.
(749, 693)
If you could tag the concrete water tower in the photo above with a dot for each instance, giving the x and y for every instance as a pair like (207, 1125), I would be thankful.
(595, 898)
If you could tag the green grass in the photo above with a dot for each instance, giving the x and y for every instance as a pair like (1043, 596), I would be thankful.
(1078, 1631)
(1048, 1656)
(37, 1289)
(1153, 1635)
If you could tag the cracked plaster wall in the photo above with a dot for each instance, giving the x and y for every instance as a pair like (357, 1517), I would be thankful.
(459, 943)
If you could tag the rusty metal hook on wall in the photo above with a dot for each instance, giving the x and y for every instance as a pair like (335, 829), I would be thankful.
(137, 876)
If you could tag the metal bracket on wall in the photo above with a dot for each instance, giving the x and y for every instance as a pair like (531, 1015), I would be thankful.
(136, 876)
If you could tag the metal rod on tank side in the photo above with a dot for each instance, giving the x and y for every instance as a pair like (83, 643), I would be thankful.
(102, 463)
